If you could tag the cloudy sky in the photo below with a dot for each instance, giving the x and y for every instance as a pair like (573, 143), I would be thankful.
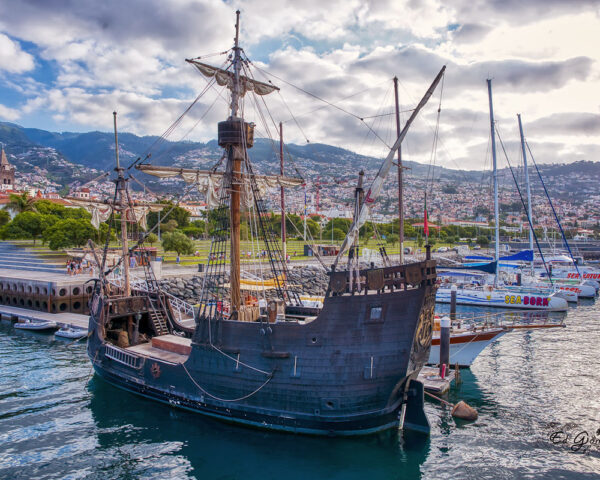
(65, 65)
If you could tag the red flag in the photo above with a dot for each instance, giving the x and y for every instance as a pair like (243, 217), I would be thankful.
(425, 225)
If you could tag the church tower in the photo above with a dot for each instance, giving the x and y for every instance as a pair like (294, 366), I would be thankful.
(7, 172)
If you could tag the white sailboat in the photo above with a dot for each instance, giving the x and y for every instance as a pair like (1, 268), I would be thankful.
(570, 292)
(495, 295)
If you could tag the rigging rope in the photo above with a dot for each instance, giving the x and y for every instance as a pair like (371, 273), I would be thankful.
(554, 211)
(331, 104)
(524, 207)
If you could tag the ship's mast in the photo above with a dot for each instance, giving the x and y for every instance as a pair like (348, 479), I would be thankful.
(235, 155)
(121, 189)
(496, 210)
(400, 179)
(283, 240)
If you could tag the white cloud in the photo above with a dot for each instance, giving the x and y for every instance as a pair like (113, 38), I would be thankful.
(9, 114)
(12, 58)
(542, 56)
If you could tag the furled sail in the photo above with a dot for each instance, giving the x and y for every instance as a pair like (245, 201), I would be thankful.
(101, 211)
(209, 183)
(226, 78)
(377, 184)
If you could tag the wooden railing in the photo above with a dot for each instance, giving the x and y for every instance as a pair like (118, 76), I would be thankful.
(392, 278)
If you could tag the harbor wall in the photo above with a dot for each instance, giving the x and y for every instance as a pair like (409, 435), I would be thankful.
(57, 296)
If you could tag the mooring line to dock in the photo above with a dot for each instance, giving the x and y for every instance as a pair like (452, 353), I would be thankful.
(461, 410)
(80, 338)
(439, 399)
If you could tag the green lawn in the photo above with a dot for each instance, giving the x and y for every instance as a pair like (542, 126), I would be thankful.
(295, 248)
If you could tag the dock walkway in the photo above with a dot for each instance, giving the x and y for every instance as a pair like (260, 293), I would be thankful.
(61, 319)
(432, 382)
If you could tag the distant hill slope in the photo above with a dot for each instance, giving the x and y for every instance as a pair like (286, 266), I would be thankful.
(60, 152)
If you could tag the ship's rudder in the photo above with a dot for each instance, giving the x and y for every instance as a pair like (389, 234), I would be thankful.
(414, 414)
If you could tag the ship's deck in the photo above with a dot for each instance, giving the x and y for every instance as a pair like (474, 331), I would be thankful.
(147, 350)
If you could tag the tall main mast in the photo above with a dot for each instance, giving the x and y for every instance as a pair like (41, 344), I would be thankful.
(235, 155)
(123, 203)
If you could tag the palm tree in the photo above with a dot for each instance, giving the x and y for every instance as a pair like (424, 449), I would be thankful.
(21, 203)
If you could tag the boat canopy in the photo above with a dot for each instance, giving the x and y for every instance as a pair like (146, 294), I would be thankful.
(523, 255)
(482, 267)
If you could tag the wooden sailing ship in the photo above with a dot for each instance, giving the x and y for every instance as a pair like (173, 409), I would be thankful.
(347, 368)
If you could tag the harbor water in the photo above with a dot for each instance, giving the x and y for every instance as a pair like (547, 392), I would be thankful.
(537, 393)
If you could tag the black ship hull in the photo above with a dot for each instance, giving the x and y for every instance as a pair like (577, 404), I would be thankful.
(364, 425)
(351, 370)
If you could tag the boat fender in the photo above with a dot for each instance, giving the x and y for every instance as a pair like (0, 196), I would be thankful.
(464, 412)
(461, 410)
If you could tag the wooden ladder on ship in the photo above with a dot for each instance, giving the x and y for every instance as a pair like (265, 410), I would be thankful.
(159, 322)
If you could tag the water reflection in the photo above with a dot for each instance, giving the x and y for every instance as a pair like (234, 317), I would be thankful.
(147, 437)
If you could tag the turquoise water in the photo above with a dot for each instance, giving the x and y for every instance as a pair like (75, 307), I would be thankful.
(59, 421)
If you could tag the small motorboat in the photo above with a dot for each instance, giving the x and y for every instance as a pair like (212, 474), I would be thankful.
(71, 332)
(35, 325)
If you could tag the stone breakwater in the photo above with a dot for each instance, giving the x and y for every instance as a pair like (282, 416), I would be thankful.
(309, 280)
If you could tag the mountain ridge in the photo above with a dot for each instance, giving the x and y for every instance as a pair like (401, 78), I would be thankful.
(92, 152)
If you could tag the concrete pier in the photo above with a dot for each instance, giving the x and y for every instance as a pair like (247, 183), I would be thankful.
(62, 319)
(45, 292)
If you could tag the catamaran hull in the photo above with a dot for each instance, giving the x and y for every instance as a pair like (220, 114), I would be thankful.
(465, 348)
(501, 299)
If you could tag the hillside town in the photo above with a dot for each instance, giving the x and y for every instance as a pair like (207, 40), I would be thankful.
(449, 203)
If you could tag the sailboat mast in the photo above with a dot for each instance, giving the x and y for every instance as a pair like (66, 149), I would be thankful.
(121, 187)
(400, 179)
(236, 153)
(283, 242)
(529, 208)
(496, 210)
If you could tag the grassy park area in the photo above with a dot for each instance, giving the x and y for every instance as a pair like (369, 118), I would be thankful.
(295, 249)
